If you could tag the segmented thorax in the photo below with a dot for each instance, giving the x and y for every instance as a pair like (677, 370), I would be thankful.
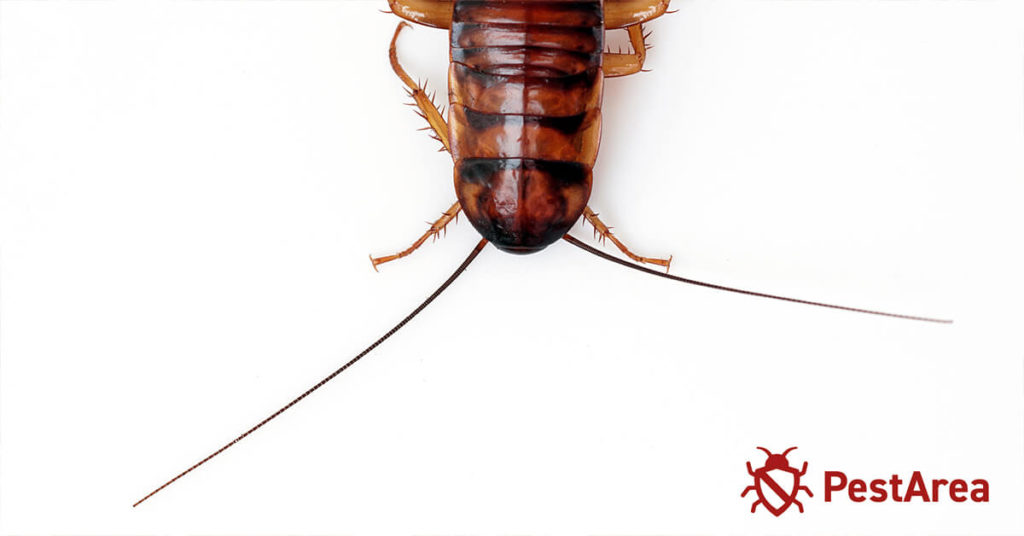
(525, 115)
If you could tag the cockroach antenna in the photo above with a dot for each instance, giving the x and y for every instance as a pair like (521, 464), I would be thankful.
(451, 279)
(623, 262)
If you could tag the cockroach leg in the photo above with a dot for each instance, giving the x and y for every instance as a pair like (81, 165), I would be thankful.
(435, 231)
(435, 13)
(605, 232)
(428, 110)
(619, 64)
(623, 13)
(418, 92)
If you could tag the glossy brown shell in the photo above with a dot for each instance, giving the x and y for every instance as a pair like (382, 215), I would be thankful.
(525, 87)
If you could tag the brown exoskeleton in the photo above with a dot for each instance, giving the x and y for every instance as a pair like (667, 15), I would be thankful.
(524, 116)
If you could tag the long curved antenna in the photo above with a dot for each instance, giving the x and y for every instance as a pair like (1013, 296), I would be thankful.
(458, 271)
(617, 260)
(788, 450)
(766, 451)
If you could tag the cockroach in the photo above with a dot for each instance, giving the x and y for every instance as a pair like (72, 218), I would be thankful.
(523, 128)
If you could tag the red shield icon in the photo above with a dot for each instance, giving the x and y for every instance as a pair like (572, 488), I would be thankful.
(776, 484)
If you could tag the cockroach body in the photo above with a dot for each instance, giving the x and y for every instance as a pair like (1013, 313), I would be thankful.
(524, 124)
(525, 116)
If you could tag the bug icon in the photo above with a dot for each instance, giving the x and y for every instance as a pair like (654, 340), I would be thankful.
(775, 468)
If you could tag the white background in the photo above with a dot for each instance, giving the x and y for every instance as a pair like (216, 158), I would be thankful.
(190, 191)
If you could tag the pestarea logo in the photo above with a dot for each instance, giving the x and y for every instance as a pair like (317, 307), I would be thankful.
(777, 484)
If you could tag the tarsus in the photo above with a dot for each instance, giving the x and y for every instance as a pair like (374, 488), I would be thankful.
(614, 259)
(458, 271)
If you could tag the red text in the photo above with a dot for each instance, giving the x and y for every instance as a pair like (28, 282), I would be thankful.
(880, 490)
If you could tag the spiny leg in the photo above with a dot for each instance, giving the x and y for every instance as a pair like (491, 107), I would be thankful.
(606, 232)
(436, 121)
(435, 230)
(419, 95)
(436, 13)
(630, 14)
(622, 64)
(622, 13)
